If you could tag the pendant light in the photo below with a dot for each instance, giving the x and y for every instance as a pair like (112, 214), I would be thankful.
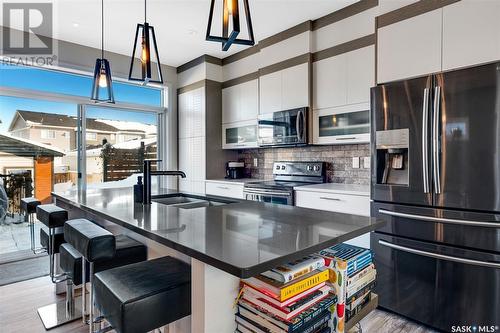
(230, 14)
(145, 34)
(102, 71)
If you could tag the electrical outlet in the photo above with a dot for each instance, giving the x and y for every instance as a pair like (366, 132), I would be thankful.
(255, 162)
(366, 162)
(355, 162)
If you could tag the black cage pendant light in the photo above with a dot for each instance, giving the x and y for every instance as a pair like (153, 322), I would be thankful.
(102, 72)
(146, 35)
(230, 15)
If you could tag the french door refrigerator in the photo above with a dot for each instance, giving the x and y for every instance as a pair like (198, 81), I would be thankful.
(436, 181)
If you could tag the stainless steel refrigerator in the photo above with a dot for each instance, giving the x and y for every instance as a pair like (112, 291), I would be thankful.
(436, 181)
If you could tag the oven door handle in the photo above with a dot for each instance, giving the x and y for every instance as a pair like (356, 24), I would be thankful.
(281, 194)
(440, 219)
(440, 256)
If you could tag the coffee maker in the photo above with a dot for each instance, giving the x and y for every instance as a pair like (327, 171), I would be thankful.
(235, 170)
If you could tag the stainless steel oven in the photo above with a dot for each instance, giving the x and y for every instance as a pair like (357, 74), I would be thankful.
(283, 128)
(286, 176)
(271, 196)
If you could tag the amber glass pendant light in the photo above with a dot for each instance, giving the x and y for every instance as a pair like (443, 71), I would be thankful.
(145, 35)
(102, 72)
(230, 16)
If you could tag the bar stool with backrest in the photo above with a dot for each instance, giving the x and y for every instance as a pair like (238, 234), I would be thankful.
(99, 250)
(28, 207)
(127, 251)
(143, 296)
(53, 217)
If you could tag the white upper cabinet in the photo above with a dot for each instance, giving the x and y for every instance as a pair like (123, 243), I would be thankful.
(410, 48)
(344, 79)
(360, 74)
(192, 113)
(240, 102)
(249, 100)
(284, 89)
(330, 82)
(230, 104)
(295, 87)
(270, 92)
(471, 33)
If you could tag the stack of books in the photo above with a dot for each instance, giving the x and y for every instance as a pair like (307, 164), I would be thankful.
(293, 298)
(353, 276)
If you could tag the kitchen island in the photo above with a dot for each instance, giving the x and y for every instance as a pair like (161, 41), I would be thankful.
(223, 239)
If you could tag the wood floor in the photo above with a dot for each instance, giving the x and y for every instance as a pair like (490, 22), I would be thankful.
(19, 302)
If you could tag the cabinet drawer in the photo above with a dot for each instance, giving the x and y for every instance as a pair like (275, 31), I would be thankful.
(224, 189)
(349, 204)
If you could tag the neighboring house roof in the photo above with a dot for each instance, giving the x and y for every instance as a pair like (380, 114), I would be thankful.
(27, 148)
(60, 120)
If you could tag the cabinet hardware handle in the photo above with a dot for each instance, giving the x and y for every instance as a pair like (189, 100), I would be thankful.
(440, 256)
(441, 219)
(223, 187)
(332, 199)
(347, 138)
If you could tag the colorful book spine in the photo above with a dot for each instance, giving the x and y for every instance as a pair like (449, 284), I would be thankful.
(253, 326)
(293, 270)
(291, 326)
(361, 283)
(360, 293)
(359, 275)
(356, 257)
(304, 284)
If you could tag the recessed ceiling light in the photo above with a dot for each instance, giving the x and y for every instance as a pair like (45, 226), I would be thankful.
(76, 25)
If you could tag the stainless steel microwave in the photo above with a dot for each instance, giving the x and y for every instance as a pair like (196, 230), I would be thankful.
(283, 128)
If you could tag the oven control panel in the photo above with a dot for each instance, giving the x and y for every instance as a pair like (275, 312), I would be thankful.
(310, 169)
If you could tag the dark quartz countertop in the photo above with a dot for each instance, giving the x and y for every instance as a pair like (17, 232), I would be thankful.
(243, 238)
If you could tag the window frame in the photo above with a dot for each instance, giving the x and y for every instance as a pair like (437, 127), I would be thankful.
(83, 103)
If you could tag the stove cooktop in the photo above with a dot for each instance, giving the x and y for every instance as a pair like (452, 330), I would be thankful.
(276, 184)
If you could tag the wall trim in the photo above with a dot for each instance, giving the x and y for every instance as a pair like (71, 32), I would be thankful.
(343, 13)
(240, 55)
(288, 33)
(306, 57)
(191, 86)
(412, 10)
(197, 61)
(240, 79)
(344, 47)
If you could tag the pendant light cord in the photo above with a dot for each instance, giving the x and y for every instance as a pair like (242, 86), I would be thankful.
(102, 29)
(145, 20)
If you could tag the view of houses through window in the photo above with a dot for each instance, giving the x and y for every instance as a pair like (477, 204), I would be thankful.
(40, 139)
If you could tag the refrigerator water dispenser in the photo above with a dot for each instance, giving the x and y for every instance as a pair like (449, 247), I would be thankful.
(392, 157)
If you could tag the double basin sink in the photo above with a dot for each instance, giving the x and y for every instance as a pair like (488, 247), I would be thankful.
(189, 201)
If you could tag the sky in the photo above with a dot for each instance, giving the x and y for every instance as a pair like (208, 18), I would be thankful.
(64, 83)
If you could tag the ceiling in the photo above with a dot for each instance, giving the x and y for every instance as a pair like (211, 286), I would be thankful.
(180, 24)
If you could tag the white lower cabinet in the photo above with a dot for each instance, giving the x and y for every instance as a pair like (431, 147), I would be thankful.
(341, 203)
(224, 189)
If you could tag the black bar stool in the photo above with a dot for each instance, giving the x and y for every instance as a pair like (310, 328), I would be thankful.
(52, 217)
(128, 251)
(99, 250)
(143, 296)
(28, 207)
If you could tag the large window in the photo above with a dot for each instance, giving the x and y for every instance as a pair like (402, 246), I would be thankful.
(52, 137)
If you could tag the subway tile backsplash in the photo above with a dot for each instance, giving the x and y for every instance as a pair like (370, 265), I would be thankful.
(338, 157)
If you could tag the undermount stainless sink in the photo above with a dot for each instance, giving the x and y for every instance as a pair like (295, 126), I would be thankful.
(187, 201)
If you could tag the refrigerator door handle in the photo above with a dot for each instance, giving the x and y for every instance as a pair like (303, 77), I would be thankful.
(435, 140)
(425, 143)
(440, 219)
(440, 256)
